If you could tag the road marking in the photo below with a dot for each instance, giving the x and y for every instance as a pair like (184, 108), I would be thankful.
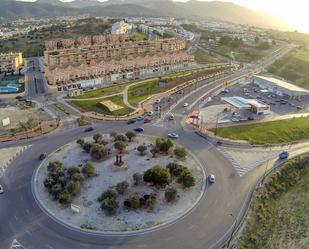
(16, 245)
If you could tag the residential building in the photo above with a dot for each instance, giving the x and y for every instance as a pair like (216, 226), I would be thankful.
(121, 28)
(11, 62)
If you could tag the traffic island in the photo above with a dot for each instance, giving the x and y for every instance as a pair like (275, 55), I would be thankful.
(159, 182)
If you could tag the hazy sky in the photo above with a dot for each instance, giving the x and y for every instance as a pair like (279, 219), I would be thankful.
(294, 12)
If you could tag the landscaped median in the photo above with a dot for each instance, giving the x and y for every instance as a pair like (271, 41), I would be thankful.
(100, 105)
(272, 132)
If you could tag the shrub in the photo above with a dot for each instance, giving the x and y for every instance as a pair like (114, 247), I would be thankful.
(141, 149)
(97, 137)
(98, 152)
(103, 142)
(80, 141)
(130, 135)
(87, 147)
(120, 146)
(65, 198)
(164, 146)
(54, 167)
(138, 178)
(121, 187)
(187, 179)
(180, 152)
(157, 175)
(109, 206)
(170, 194)
(135, 203)
(175, 169)
(154, 151)
(113, 134)
(56, 190)
(110, 193)
(151, 202)
(88, 170)
(49, 182)
(71, 171)
(74, 188)
(77, 177)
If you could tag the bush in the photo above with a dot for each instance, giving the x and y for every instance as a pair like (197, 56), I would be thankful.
(141, 149)
(130, 135)
(138, 178)
(74, 188)
(71, 171)
(151, 202)
(187, 179)
(54, 167)
(170, 194)
(97, 137)
(98, 152)
(110, 193)
(109, 206)
(103, 142)
(65, 198)
(120, 146)
(135, 203)
(121, 187)
(87, 147)
(164, 146)
(56, 190)
(78, 177)
(180, 152)
(175, 169)
(88, 170)
(157, 175)
(113, 134)
(80, 141)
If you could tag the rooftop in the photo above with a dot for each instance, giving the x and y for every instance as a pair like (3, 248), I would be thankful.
(242, 103)
(282, 84)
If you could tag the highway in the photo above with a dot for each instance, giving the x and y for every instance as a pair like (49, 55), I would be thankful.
(207, 226)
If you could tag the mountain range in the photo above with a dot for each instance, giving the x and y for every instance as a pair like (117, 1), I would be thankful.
(193, 9)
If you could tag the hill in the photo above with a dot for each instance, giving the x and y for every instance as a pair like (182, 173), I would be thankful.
(162, 8)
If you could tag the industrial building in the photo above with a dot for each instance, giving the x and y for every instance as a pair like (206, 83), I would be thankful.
(279, 87)
(243, 104)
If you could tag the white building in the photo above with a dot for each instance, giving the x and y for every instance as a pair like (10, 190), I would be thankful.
(279, 87)
(120, 28)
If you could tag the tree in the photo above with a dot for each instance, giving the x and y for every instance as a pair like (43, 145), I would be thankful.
(97, 137)
(154, 151)
(180, 152)
(104, 142)
(142, 149)
(164, 146)
(49, 182)
(72, 170)
(109, 206)
(65, 198)
(78, 177)
(121, 187)
(88, 170)
(187, 179)
(170, 194)
(120, 146)
(110, 193)
(74, 188)
(256, 39)
(113, 134)
(120, 137)
(130, 135)
(98, 152)
(138, 178)
(56, 190)
(151, 202)
(157, 175)
(54, 167)
(135, 203)
(175, 169)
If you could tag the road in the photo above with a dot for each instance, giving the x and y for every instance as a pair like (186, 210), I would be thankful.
(205, 227)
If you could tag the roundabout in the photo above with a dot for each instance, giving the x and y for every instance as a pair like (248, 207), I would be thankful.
(90, 217)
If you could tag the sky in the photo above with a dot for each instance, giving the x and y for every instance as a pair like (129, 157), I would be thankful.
(295, 12)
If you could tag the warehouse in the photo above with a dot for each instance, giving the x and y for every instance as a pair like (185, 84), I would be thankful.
(279, 87)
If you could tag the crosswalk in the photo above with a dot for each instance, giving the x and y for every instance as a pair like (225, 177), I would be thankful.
(246, 159)
(16, 245)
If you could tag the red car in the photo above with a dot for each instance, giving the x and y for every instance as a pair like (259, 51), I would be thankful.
(147, 120)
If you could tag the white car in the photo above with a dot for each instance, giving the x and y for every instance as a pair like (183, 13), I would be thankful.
(1, 189)
(235, 119)
(171, 117)
(173, 135)
(185, 104)
(149, 114)
(211, 178)
(158, 101)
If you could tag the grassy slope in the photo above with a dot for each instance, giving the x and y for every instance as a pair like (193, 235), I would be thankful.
(273, 132)
(204, 58)
(278, 218)
(293, 68)
(95, 106)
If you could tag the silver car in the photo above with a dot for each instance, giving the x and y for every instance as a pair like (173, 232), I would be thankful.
(1, 189)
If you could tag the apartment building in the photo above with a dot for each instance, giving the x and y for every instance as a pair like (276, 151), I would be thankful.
(11, 62)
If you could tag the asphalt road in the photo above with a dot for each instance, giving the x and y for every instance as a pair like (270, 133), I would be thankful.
(205, 227)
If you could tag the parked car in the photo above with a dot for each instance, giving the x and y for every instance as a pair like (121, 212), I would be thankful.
(158, 101)
(42, 156)
(283, 155)
(250, 118)
(89, 129)
(139, 129)
(185, 104)
(299, 107)
(149, 113)
(140, 118)
(1, 189)
(235, 120)
(147, 120)
(173, 135)
(132, 121)
(171, 117)
(211, 178)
